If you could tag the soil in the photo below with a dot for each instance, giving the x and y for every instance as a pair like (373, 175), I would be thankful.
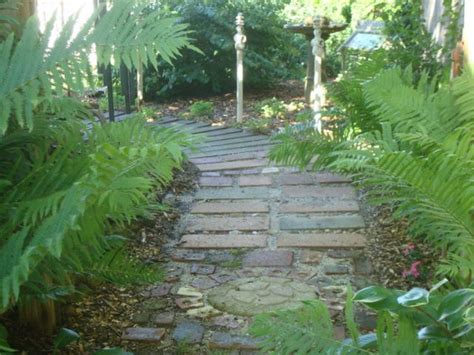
(224, 105)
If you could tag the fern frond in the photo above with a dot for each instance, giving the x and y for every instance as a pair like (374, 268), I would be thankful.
(33, 73)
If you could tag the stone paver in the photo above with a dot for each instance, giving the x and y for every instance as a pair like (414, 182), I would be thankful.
(268, 258)
(165, 319)
(221, 340)
(202, 269)
(232, 193)
(315, 191)
(250, 296)
(231, 165)
(230, 207)
(223, 241)
(188, 332)
(160, 290)
(256, 180)
(209, 181)
(321, 205)
(322, 240)
(196, 224)
(181, 255)
(311, 179)
(321, 222)
(149, 335)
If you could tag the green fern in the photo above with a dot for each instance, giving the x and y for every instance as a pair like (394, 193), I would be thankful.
(420, 160)
(60, 194)
(33, 74)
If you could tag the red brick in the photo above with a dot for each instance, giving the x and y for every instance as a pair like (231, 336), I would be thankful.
(206, 160)
(257, 180)
(297, 179)
(322, 240)
(233, 165)
(311, 179)
(248, 206)
(315, 191)
(320, 206)
(265, 258)
(329, 178)
(227, 223)
(223, 241)
(210, 181)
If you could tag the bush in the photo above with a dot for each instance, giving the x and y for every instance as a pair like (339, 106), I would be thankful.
(271, 52)
(201, 109)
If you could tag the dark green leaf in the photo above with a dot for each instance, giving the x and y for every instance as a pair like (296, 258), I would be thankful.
(65, 337)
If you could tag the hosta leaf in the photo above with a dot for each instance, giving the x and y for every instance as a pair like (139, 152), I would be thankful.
(414, 298)
(455, 301)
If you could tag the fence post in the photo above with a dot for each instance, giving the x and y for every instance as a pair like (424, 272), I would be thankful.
(318, 93)
(240, 39)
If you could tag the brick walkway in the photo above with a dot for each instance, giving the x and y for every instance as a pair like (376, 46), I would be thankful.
(253, 220)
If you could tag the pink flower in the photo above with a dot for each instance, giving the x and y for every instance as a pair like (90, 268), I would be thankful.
(409, 248)
(413, 271)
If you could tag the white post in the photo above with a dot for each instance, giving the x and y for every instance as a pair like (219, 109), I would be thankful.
(318, 92)
(240, 39)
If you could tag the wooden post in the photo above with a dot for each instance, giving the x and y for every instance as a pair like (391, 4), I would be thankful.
(318, 93)
(240, 39)
(140, 94)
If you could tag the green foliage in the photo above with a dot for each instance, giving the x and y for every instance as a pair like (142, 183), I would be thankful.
(271, 53)
(4, 346)
(307, 329)
(271, 108)
(201, 109)
(420, 160)
(119, 103)
(410, 42)
(414, 322)
(65, 184)
(33, 74)
(64, 338)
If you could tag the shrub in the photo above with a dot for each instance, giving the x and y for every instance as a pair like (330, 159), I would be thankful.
(270, 52)
(271, 108)
(201, 109)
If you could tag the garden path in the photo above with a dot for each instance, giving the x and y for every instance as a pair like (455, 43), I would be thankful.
(256, 237)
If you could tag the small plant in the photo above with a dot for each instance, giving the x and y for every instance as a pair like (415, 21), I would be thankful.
(414, 322)
(201, 109)
(271, 109)
(258, 125)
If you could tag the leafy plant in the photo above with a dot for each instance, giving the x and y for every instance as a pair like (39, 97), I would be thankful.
(414, 322)
(420, 160)
(271, 108)
(271, 53)
(65, 182)
(201, 109)
(64, 338)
